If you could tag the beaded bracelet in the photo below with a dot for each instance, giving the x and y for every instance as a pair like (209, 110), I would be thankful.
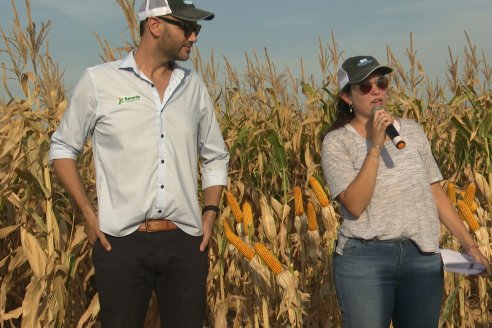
(470, 247)
(378, 147)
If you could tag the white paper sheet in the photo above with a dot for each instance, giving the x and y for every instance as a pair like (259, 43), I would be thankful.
(458, 262)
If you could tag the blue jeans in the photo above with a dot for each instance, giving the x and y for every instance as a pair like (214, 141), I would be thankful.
(382, 281)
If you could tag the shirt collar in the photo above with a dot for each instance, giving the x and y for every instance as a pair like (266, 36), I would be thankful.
(128, 63)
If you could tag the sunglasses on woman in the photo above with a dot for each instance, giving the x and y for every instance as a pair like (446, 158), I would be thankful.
(188, 28)
(365, 86)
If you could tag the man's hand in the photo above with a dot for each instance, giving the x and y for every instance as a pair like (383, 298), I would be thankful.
(67, 172)
(93, 232)
(211, 196)
(208, 220)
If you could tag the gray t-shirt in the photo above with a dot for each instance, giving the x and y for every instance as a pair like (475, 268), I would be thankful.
(402, 205)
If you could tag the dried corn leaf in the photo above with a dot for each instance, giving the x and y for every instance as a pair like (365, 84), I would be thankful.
(31, 303)
(91, 313)
(34, 253)
(4, 232)
(78, 237)
(14, 314)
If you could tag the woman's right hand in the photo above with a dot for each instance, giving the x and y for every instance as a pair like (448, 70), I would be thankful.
(377, 125)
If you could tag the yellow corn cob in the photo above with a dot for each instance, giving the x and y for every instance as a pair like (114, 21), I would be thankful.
(319, 192)
(298, 205)
(311, 217)
(474, 206)
(241, 246)
(247, 216)
(226, 224)
(467, 215)
(452, 192)
(234, 205)
(469, 195)
(271, 261)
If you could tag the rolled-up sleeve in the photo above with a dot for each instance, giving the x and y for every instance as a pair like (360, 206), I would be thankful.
(77, 123)
(212, 149)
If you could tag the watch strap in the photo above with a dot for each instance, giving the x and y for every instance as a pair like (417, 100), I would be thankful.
(214, 208)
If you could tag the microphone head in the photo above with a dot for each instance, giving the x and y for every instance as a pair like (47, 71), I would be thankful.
(376, 108)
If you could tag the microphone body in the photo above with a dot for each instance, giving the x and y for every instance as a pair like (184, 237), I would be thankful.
(391, 131)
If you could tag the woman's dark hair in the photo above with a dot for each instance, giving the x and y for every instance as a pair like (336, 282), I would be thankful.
(343, 113)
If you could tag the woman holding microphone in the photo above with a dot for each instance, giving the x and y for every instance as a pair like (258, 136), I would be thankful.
(387, 266)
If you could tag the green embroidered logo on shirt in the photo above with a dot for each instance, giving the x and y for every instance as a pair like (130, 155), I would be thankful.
(123, 100)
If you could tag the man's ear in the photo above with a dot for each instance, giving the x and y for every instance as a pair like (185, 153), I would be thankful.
(154, 25)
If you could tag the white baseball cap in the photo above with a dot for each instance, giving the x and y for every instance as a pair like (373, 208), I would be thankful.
(183, 9)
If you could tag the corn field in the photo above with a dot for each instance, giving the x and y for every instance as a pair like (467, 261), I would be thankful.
(271, 257)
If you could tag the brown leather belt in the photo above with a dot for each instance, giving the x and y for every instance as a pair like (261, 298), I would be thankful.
(153, 225)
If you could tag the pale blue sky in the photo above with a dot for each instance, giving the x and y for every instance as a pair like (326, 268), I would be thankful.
(288, 29)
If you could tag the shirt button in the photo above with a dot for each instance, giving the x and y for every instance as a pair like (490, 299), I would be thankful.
(162, 136)
(162, 161)
(159, 211)
(162, 186)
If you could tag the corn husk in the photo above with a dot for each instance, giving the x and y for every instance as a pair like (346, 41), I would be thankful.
(261, 275)
(313, 241)
(484, 242)
(292, 298)
(268, 222)
(483, 186)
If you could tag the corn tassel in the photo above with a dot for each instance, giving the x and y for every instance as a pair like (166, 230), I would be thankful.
(298, 205)
(319, 192)
(469, 196)
(311, 217)
(451, 191)
(234, 205)
(467, 215)
(241, 246)
(270, 260)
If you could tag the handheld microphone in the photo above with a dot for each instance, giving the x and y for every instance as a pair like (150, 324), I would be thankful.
(391, 131)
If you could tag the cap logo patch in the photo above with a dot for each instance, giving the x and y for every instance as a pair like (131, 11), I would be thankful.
(188, 2)
(364, 61)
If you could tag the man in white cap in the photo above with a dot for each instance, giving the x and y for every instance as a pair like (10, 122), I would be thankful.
(153, 128)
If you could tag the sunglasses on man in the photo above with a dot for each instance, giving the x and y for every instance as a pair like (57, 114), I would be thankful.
(188, 28)
(365, 86)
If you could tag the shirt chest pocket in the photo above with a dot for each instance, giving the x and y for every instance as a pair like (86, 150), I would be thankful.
(126, 124)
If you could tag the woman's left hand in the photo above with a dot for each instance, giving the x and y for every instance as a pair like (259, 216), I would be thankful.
(478, 256)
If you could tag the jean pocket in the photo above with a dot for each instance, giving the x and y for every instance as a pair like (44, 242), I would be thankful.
(96, 250)
(351, 246)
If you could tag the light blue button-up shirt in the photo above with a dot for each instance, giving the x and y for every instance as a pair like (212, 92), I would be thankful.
(146, 151)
